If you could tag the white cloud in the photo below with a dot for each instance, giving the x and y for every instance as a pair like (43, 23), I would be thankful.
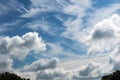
(32, 12)
(92, 70)
(56, 49)
(41, 24)
(105, 35)
(101, 13)
(7, 26)
(74, 27)
(52, 74)
(114, 59)
(11, 23)
(19, 47)
(42, 64)
(5, 63)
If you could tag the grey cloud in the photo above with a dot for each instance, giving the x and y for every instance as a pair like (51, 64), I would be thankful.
(103, 34)
(5, 63)
(91, 71)
(42, 64)
(52, 74)
(114, 59)
(87, 70)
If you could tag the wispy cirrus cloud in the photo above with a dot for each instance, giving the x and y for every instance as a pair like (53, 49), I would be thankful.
(43, 25)
(97, 16)
(9, 26)
(8, 5)
(38, 6)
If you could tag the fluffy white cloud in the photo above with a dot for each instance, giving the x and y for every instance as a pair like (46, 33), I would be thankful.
(18, 47)
(42, 64)
(52, 74)
(105, 35)
(5, 63)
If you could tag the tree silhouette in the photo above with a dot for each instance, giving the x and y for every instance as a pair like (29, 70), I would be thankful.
(113, 76)
(10, 76)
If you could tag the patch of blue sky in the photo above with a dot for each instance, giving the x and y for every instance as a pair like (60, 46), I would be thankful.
(118, 12)
(62, 56)
(103, 3)
(11, 16)
(28, 59)
(56, 26)
(18, 64)
(85, 19)
(74, 47)
(26, 3)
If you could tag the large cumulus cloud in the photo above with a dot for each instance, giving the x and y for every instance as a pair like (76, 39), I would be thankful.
(18, 47)
(104, 36)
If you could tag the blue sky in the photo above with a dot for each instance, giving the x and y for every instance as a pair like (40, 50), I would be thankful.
(70, 38)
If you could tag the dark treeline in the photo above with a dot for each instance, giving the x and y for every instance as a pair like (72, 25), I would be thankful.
(113, 76)
(10, 76)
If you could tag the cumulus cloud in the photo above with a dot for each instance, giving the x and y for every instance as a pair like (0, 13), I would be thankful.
(5, 63)
(91, 71)
(18, 47)
(42, 64)
(95, 71)
(114, 59)
(105, 35)
(44, 69)
(52, 74)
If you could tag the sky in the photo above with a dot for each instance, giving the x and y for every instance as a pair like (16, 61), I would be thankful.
(60, 39)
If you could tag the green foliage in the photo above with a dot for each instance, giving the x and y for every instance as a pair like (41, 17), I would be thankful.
(10, 76)
(113, 76)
